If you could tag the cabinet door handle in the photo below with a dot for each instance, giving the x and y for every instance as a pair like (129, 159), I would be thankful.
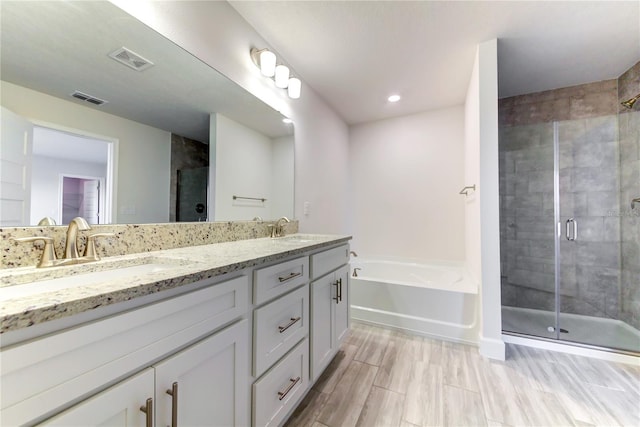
(340, 288)
(173, 392)
(288, 325)
(148, 410)
(289, 277)
(283, 394)
(337, 297)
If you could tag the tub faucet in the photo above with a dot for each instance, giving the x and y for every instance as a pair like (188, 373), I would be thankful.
(71, 245)
(353, 253)
(355, 272)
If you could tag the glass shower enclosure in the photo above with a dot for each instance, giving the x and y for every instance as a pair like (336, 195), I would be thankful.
(570, 259)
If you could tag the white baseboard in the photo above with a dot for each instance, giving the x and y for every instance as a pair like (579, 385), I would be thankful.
(492, 348)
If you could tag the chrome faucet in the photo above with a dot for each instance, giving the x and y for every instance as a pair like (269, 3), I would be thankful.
(353, 253)
(277, 230)
(71, 245)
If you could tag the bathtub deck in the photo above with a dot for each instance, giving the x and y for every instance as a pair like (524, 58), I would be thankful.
(384, 378)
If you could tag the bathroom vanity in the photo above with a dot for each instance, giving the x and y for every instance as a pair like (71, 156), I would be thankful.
(225, 334)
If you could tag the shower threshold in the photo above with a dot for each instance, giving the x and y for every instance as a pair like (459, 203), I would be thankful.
(586, 331)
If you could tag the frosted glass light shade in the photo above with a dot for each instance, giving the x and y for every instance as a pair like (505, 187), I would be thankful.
(267, 63)
(282, 76)
(294, 88)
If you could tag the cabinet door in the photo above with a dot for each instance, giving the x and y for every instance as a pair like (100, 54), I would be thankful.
(323, 292)
(115, 407)
(211, 381)
(341, 309)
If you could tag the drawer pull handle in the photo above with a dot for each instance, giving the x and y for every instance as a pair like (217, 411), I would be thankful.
(289, 277)
(283, 394)
(148, 410)
(288, 325)
(173, 392)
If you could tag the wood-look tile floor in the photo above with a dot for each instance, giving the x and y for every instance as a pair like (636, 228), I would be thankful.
(389, 379)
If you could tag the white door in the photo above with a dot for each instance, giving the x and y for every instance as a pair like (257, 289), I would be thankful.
(118, 406)
(341, 313)
(209, 380)
(16, 139)
(322, 294)
(91, 201)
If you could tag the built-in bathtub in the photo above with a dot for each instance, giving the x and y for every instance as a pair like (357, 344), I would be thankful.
(433, 299)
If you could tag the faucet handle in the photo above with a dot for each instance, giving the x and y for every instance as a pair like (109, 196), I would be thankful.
(48, 254)
(90, 248)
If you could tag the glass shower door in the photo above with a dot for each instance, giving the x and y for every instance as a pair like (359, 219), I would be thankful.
(589, 240)
(527, 235)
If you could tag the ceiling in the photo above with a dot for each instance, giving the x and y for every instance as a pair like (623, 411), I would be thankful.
(357, 53)
(61, 145)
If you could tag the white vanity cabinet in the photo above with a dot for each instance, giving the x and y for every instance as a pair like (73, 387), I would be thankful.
(41, 376)
(119, 405)
(329, 306)
(201, 385)
(204, 384)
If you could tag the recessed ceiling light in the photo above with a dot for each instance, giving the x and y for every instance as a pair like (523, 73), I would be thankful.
(287, 120)
(393, 98)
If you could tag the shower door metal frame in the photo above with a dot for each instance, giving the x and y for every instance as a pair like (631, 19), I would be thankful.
(558, 227)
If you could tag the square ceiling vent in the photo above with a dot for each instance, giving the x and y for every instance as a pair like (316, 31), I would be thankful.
(131, 59)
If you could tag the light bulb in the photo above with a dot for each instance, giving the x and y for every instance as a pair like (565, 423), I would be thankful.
(282, 76)
(267, 63)
(294, 88)
(394, 98)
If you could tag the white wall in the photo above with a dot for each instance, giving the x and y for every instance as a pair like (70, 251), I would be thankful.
(406, 173)
(482, 211)
(282, 180)
(45, 183)
(217, 34)
(143, 157)
(243, 174)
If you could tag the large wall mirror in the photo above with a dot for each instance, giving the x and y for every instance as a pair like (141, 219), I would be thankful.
(105, 118)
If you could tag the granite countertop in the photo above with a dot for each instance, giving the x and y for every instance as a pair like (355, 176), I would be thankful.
(186, 265)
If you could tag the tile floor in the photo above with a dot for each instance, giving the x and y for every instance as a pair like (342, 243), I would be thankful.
(389, 379)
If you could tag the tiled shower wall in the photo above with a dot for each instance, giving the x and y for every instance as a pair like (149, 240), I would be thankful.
(589, 184)
(629, 135)
(185, 154)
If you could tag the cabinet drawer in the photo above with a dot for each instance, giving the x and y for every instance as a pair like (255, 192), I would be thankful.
(79, 361)
(280, 389)
(278, 326)
(270, 282)
(324, 262)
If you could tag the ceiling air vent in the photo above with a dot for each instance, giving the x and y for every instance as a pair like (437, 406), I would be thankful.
(88, 98)
(131, 59)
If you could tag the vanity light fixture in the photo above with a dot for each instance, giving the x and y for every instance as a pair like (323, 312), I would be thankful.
(393, 98)
(267, 62)
(294, 88)
(282, 76)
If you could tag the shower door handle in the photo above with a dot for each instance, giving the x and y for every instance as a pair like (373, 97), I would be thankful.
(571, 229)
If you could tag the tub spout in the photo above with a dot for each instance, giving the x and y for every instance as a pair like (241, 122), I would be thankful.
(353, 253)
(355, 272)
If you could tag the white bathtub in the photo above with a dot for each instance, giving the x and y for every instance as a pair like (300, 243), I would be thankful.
(435, 299)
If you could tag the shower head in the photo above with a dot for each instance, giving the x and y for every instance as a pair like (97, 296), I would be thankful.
(629, 102)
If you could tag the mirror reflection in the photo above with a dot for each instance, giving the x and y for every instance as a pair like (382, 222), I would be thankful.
(148, 134)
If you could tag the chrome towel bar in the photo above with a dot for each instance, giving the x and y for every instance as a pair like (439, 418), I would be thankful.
(262, 199)
(466, 189)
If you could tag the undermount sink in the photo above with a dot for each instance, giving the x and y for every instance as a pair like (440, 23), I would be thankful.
(41, 281)
(300, 238)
